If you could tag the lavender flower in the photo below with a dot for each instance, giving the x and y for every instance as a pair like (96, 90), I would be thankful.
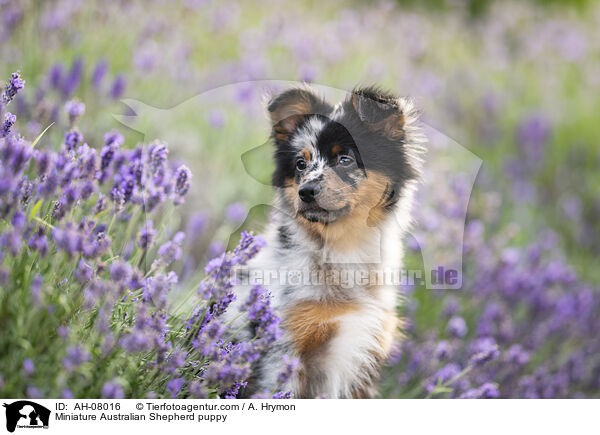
(36, 289)
(56, 75)
(171, 250)
(158, 287)
(72, 139)
(73, 78)
(533, 134)
(118, 87)
(174, 386)
(291, 364)
(457, 327)
(259, 311)
(217, 247)
(146, 235)
(517, 355)
(83, 272)
(9, 121)
(75, 356)
(75, 109)
(113, 140)
(197, 390)
(98, 73)
(68, 239)
(112, 390)
(445, 374)
(158, 156)
(39, 242)
(183, 178)
(486, 391)
(14, 85)
(196, 225)
(219, 282)
(120, 272)
(487, 350)
(28, 366)
(101, 204)
(33, 392)
(236, 212)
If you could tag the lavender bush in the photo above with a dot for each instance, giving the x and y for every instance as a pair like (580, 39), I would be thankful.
(85, 300)
(522, 326)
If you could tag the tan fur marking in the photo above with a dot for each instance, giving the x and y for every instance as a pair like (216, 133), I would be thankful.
(355, 102)
(391, 127)
(301, 107)
(306, 154)
(312, 324)
(290, 191)
(285, 126)
(336, 149)
(367, 202)
(288, 114)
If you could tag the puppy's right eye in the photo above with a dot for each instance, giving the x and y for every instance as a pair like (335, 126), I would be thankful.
(300, 165)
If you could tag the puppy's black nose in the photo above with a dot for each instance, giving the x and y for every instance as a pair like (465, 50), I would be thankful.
(309, 192)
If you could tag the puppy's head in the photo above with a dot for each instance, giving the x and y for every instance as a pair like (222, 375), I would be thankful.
(342, 164)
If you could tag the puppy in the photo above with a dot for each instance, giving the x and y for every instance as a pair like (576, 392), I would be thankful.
(344, 181)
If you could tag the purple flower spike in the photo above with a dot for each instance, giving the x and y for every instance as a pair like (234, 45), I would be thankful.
(14, 85)
(486, 391)
(56, 75)
(174, 386)
(112, 390)
(75, 109)
(73, 139)
(98, 73)
(118, 87)
(236, 212)
(146, 235)
(9, 121)
(291, 364)
(487, 350)
(72, 80)
(76, 355)
(120, 272)
(171, 250)
(28, 366)
(183, 178)
(457, 327)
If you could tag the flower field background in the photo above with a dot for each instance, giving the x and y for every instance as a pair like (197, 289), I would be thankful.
(122, 178)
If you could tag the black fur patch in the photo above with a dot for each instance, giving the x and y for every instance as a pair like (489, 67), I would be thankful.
(285, 237)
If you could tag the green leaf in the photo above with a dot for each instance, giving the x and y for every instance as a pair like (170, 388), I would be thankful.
(43, 222)
(40, 136)
(35, 208)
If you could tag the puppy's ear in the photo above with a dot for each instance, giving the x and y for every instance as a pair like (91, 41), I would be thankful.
(380, 112)
(289, 108)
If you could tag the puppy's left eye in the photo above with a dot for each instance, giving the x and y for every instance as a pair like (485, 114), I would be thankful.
(345, 160)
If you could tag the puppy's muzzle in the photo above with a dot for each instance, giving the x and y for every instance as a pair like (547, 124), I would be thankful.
(309, 192)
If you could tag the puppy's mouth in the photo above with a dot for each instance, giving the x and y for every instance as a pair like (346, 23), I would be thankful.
(314, 213)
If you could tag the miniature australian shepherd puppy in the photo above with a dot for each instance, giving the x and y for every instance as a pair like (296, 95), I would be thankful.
(344, 181)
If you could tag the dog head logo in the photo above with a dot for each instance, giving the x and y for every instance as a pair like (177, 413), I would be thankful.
(26, 414)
